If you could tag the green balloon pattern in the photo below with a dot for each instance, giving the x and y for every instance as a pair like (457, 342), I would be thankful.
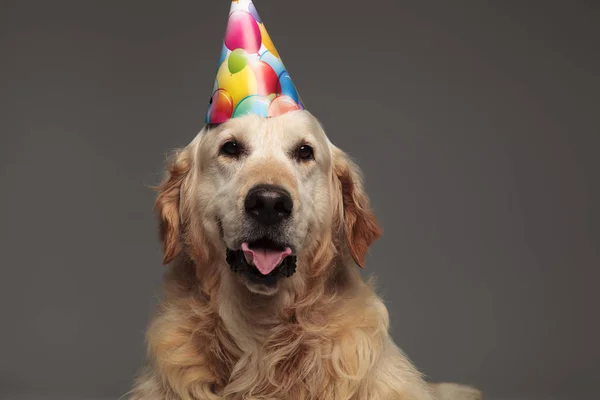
(238, 60)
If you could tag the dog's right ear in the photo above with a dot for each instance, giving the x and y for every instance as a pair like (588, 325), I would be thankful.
(167, 204)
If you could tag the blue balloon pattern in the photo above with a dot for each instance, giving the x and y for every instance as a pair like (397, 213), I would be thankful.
(224, 54)
(287, 86)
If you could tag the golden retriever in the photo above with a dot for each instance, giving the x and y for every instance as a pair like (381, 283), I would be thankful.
(263, 222)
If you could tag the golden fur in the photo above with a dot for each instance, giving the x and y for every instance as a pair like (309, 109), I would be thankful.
(323, 334)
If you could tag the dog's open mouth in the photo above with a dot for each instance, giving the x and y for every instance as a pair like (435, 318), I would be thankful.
(265, 254)
(262, 261)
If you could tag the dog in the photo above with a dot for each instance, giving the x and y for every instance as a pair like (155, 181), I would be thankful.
(264, 222)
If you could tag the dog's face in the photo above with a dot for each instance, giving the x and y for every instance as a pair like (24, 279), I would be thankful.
(266, 192)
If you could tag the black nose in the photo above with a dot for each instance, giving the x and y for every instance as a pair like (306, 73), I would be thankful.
(268, 204)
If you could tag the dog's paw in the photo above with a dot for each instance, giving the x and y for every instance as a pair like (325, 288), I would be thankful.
(453, 391)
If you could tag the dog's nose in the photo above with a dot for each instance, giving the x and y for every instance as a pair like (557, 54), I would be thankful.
(268, 204)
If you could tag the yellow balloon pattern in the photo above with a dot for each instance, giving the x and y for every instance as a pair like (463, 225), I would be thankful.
(238, 85)
(267, 42)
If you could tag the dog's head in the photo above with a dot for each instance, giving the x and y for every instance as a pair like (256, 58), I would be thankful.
(261, 194)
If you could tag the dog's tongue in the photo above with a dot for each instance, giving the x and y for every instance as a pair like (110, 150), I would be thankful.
(265, 260)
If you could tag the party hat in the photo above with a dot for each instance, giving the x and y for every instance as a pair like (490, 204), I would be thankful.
(251, 78)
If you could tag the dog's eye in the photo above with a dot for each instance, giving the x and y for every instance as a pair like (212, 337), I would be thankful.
(305, 152)
(231, 149)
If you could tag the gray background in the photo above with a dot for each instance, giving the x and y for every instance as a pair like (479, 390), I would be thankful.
(476, 124)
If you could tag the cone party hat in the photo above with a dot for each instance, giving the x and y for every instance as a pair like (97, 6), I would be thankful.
(251, 78)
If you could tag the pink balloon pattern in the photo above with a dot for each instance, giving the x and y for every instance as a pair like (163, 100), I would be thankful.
(257, 76)
(266, 78)
(281, 105)
(243, 32)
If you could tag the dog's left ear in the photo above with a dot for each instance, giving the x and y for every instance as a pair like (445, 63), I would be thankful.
(168, 202)
(359, 223)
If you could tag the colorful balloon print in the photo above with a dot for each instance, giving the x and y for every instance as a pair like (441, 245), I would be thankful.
(239, 85)
(287, 86)
(243, 32)
(221, 107)
(251, 77)
(237, 61)
(254, 12)
(258, 105)
(224, 55)
(282, 105)
(267, 42)
(273, 61)
(267, 80)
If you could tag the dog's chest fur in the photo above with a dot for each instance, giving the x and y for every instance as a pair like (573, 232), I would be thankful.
(242, 349)
(272, 355)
